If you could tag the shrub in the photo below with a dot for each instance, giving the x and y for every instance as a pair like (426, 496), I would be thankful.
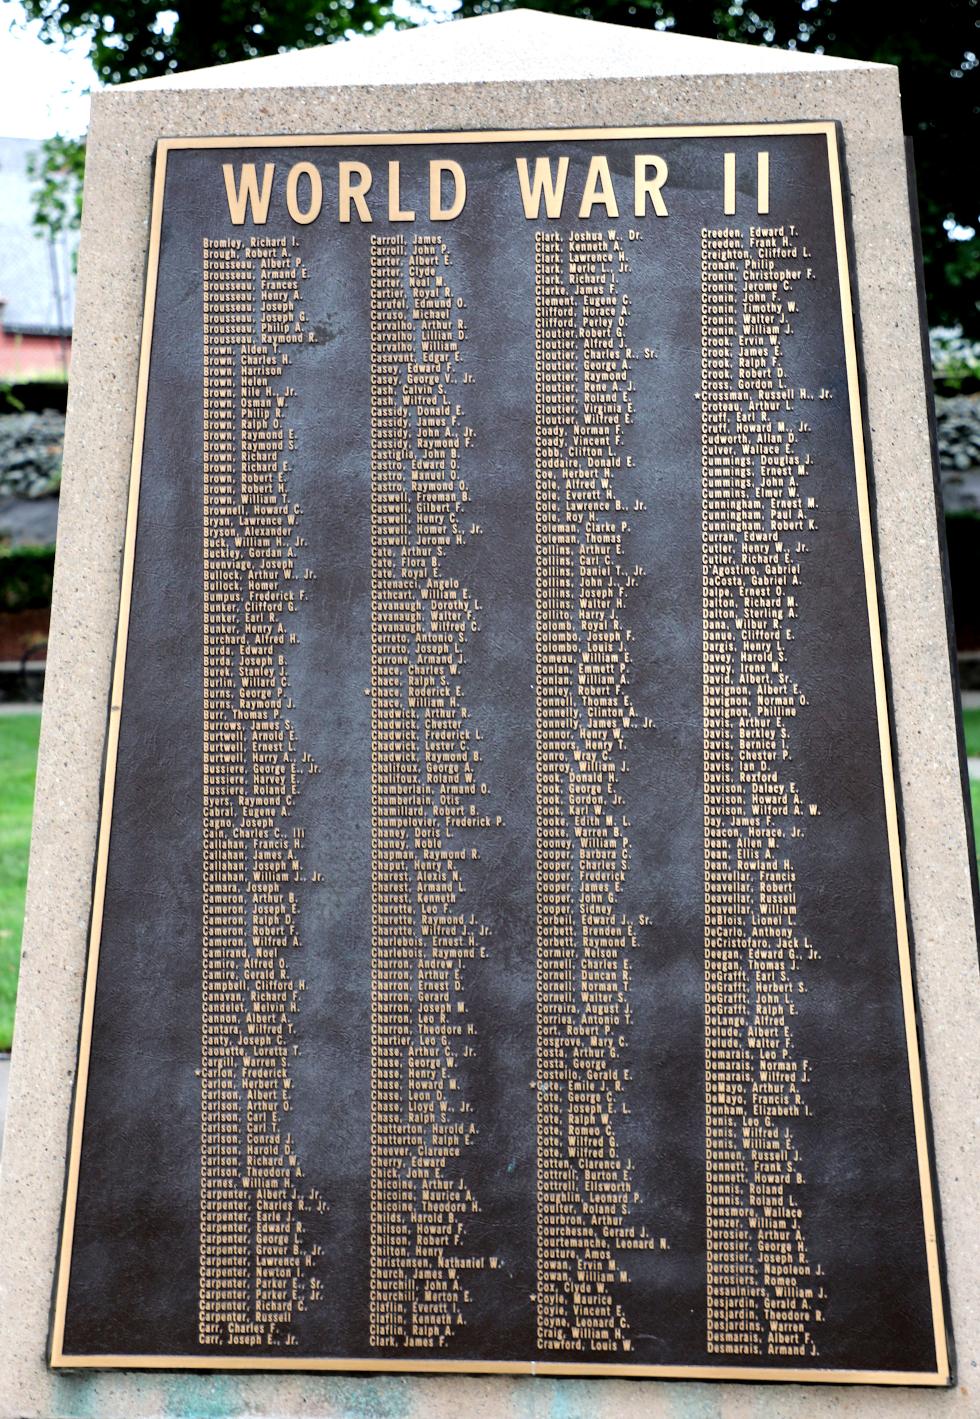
(955, 360)
(25, 578)
(30, 454)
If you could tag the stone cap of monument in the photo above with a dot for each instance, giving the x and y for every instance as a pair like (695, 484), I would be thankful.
(511, 46)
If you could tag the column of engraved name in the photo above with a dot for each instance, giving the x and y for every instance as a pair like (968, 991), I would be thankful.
(584, 721)
(429, 804)
(764, 1293)
(254, 1253)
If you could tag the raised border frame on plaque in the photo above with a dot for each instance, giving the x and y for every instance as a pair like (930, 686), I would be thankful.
(203, 1360)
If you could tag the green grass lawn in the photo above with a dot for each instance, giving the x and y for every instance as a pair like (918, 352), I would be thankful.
(18, 751)
(971, 733)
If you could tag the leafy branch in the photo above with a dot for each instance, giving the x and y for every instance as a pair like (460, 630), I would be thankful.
(58, 171)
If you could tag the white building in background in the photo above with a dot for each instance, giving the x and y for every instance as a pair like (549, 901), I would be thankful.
(37, 276)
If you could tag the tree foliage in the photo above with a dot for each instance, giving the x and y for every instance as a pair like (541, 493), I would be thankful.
(936, 49)
(58, 171)
(140, 39)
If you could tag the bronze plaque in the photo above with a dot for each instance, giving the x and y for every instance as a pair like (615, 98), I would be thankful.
(499, 954)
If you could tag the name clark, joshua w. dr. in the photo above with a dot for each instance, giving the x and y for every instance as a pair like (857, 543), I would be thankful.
(360, 194)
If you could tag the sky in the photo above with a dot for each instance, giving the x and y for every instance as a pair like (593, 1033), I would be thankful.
(43, 87)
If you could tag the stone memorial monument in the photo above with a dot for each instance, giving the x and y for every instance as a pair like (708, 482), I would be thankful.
(501, 866)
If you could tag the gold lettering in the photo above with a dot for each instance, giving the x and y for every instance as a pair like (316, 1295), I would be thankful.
(316, 193)
(437, 167)
(543, 184)
(351, 191)
(247, 194)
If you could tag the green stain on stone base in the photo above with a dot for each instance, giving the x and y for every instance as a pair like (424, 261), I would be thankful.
(374, 1397)
(544, 1397)
(570, 1399)
(202, 1397)
(694, 1401)
(75, 1395)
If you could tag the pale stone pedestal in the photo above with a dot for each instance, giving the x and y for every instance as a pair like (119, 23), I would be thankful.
(524, 70)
